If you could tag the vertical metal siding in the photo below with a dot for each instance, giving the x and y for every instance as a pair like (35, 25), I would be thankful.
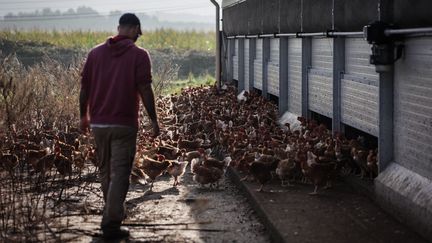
(322, 54)
(273, 68)
(413, 107)
(320, 77)
(295, 76)
(359, 106)
(359, 88)
(357, 52)
(258, 75)
(246, 64)
(235, 60)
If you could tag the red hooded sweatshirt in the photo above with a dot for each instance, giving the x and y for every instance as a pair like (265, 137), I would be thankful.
(111, 76)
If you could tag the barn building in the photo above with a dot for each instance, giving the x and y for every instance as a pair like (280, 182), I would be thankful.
(359, 66)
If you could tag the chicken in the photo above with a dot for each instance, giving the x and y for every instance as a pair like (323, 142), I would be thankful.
(237, 153)
(285, 170)
(187, 144)
(318, 173)
(153, 168)
(330, 151)
(137, 176)
(243, 163)
(267, 151)
(92, 156)
(360, 158)
(176, 169)
(213, 162)
(149, 151)
(205, 175)
(78, 160)
(343, 158)
(44, 164)
(372, 164)
(192, 155)
(63, 165)
(261, 170)
(32, 156)
(9, 162)
(66, 149)
(169, 152)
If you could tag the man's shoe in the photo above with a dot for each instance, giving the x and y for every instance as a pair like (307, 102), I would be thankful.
(116, 233)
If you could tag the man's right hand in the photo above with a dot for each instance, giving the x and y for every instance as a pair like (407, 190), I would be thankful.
(156, 129)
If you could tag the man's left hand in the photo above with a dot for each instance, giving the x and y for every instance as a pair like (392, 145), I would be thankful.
(85, 125)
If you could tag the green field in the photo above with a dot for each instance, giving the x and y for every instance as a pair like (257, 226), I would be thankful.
(158, 39)
(191, 81)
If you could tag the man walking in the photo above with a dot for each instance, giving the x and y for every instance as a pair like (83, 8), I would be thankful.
(115, 74)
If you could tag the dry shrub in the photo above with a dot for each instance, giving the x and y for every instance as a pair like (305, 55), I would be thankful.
(46, 95)
(164, 73)
(42, 95)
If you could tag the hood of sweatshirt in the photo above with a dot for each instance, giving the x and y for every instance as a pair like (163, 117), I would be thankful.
(119, 45)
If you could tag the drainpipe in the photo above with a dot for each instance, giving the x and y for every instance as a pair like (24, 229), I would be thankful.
(218, 45)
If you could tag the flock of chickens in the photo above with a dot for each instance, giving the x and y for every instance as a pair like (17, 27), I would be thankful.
(39, 152)
(209, 130)
(212, 129)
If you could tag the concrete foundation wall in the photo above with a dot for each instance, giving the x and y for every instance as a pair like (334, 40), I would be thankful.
(406, 195)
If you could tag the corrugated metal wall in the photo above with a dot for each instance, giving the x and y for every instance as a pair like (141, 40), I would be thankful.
(413, 107)
(320, 77)
(359, 88)
(295, 76)
(236, 60)
(258, 66)
(357, 52)
(273, 68)
(246, 64)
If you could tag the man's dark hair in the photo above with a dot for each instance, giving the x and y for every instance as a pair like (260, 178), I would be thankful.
(129, 19)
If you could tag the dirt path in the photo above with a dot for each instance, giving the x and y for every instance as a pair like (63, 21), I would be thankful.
(187, 213)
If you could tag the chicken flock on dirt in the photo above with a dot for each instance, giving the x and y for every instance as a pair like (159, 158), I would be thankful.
(211, 130)
(39, 152)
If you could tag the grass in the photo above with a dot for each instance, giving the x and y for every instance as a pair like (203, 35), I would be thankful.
(157, 39)
(191, 81)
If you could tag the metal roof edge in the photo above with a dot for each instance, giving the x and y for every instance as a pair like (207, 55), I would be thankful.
(230, 3)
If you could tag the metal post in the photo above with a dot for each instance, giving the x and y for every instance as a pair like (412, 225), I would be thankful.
(252, 56)
(386, 107)
(224, 41)
(386, 96)
(306, 65)
(283, 75)
(338, 68)
(266, 58)
(231, 52)
(241, 65)
(218, 44)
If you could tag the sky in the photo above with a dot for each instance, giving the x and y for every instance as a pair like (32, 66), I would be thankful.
(204, 8)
